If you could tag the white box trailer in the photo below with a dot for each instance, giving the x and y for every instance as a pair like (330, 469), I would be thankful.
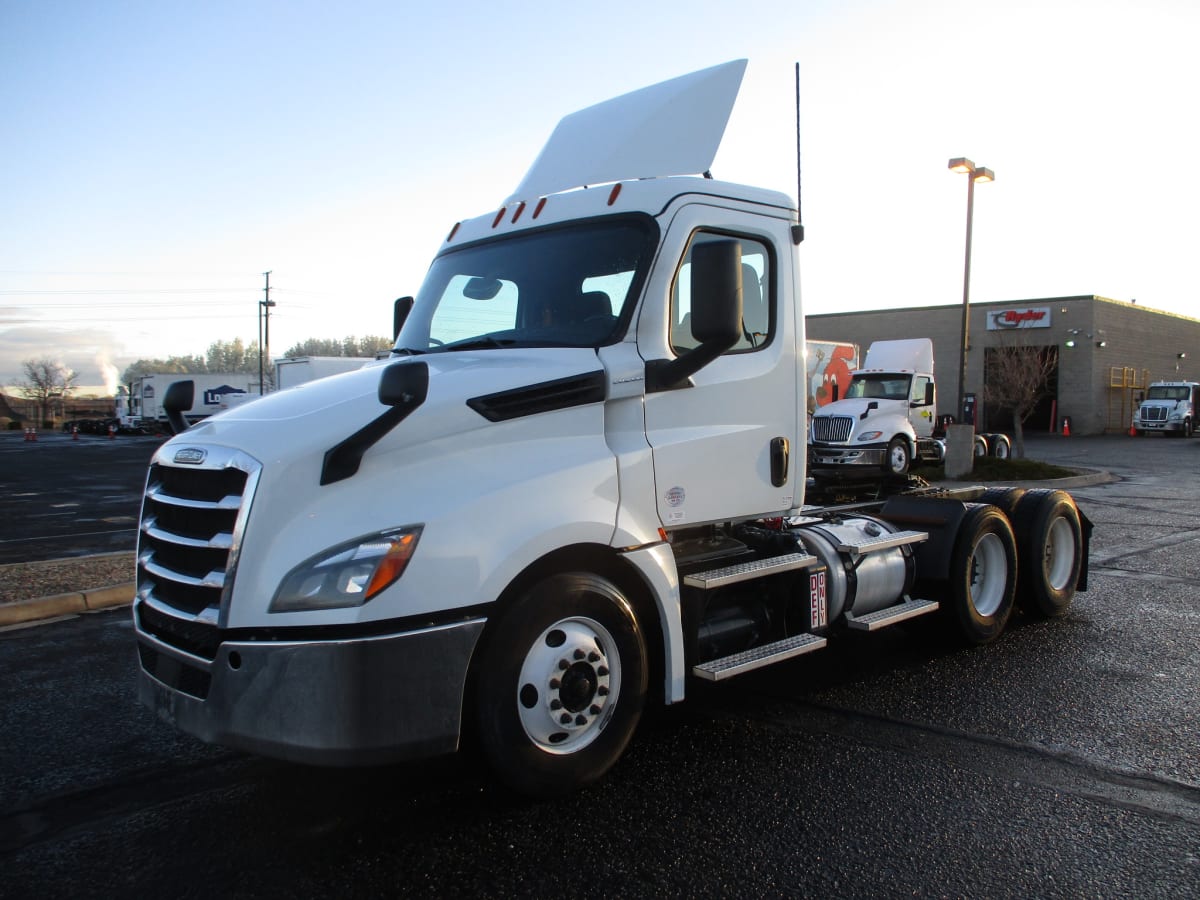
(293, 370)
(213, 393)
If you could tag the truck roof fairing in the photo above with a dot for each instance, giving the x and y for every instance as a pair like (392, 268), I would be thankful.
(670, 128)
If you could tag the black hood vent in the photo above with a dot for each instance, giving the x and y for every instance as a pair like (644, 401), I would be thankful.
(562, 393)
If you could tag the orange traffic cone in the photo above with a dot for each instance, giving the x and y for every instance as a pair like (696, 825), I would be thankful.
(1132, 431)
(1067, 427)
(74, 432)
(27, 434)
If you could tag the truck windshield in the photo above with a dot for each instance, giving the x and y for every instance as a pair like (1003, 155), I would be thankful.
(567, 286)
(1165, 392)
(879, 387)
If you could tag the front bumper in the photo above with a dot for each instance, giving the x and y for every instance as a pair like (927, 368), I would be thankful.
(1158, 425)
(360, 701)
(825, 455)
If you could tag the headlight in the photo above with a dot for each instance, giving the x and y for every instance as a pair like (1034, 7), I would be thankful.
(349, 574)
(870, 435)
(1176, 416)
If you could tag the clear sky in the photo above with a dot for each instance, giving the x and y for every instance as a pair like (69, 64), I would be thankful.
(156, 157)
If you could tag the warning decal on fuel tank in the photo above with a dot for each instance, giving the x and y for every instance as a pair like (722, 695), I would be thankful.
(818, 607)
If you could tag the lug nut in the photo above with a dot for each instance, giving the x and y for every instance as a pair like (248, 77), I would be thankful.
(595, 710)
(556, 704)
(580, 720)
(565, 718)
(579, 654)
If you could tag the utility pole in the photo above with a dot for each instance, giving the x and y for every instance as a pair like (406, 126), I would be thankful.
(264, 328)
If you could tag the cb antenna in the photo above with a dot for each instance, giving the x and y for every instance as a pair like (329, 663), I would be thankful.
(798, 228)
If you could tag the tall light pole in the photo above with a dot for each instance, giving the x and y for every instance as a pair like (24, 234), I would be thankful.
(974, 173)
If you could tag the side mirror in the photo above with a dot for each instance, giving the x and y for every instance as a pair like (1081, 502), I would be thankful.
(929, 392)
(178, 399)
(400, 310)
(716, 288)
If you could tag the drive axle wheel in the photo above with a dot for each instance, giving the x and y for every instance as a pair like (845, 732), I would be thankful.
(1050, 541)
(982, 578)
(561, 685)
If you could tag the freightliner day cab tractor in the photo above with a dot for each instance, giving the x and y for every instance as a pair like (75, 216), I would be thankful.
(577, 484)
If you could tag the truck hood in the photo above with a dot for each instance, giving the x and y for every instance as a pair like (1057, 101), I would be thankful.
(857, 407)
(318, 415)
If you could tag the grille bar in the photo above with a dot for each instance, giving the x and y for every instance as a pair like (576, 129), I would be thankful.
(221, 541)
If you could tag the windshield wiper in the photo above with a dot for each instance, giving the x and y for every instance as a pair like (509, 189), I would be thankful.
(396, 351)
(483, 342)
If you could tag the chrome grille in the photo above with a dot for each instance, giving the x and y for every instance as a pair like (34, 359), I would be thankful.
(1154, 414)
(835, 429)
(192, 520)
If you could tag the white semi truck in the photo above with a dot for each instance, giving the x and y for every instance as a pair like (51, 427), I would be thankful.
(888, 416)
(576, 485)
(1169, 407)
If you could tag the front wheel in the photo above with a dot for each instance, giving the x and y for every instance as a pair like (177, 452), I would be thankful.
(561, 685)
(898, 457)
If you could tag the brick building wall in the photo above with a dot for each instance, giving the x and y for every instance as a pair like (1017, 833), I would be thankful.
(1107, 335)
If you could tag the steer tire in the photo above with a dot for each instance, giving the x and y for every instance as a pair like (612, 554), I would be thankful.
(569, 648)
(897, 458)
(1050, 550)
(978, 597)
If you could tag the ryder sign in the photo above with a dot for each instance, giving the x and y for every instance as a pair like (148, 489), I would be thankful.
(1008, 319)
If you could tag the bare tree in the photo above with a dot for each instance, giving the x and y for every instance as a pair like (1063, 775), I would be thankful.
(46, 383)
(1018, 376)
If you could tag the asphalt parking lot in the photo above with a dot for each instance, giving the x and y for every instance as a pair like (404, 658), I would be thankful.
(70, 496)
(1059, 761)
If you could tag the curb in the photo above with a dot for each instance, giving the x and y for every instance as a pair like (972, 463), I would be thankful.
(74, 603)
(1084, 478)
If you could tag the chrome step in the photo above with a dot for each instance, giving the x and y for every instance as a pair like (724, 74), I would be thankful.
(890, 615)
(884, 542)
(748, 660)
(715, 578)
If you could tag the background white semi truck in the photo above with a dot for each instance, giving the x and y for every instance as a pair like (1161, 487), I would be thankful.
(1169, 407)
(576, 486)
(291, 371)
(888, 416)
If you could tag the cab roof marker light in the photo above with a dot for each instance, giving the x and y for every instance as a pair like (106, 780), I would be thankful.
(614, 193)
(537, 210)
(499, 216)
(520, 209)
(453, 232)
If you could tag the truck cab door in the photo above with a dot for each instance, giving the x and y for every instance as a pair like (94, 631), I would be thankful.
(724, 442)
(922, 404)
